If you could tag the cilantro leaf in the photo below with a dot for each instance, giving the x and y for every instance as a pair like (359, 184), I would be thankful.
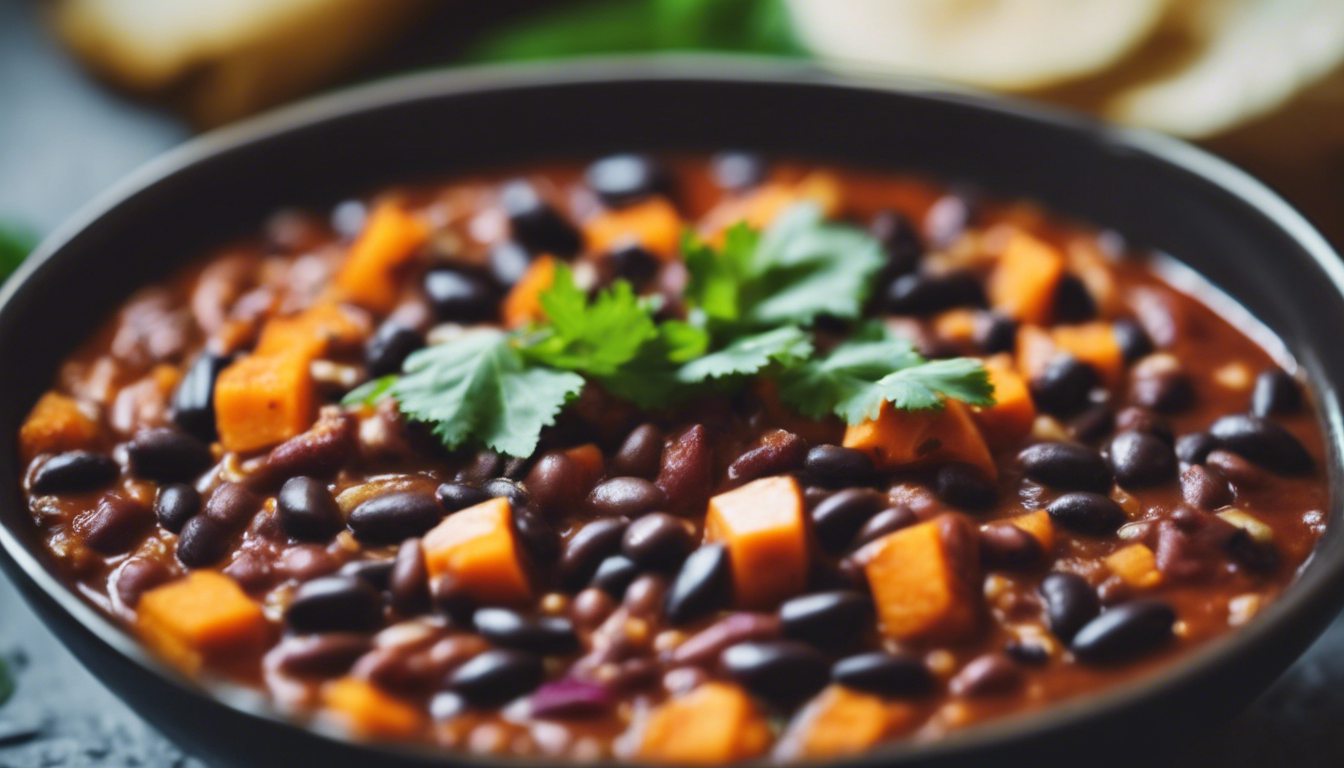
(596, 337)
(15, 245)
(480, 388)
(371, 391)
(650, 380)
(749, 354)
(717, 280)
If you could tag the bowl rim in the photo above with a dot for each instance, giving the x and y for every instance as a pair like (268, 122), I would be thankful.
(1293, 606)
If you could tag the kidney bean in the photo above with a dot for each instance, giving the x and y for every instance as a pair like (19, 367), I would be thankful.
(193, 403)
(702, 585)
(922, 294)
(641, 454)
(571, 698)
(1141, 460)
(1124, 632)
(252, 571)
(320, 452)
(389, 347)
(1139, 419)
(116, 525)
(376, 572)
(1066, 466)
(232, 505)
(1070, 603)
(175, 505)
(1205, 487)
(536, 225)
(646, 595)
(1062, 388)
(887, 521)
(335, 604)
(408, 584)
(1134, 341)
(1004, 546)
(687, 472)
(1263, 442)
(992, 674)
(74, 472)
(1073, 302)
(1159, 382)
(827, 620)
(1276, 392)
(318, 656)
(884, 674)
(546, 635)
(458, 496)
(704, 647)
(137, 576)
(1189, 547)
(203, 541)
(496, 677)
(167, 454)
(508, 489)
(1094, 423)
(777, 453)
(587, 548)
(614, 575)
(308, 511)
(555, 483)
(781, 671)
(538, 536)
(834, 465)
(1087, 512)
(451, 598)
(1194, 448)
(304, 562)
(626, 496)
(658, 541)
(591, 607)
(965, 486)
(1242, 474)
(395, 517)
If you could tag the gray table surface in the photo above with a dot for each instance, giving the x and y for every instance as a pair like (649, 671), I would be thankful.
(62, 140)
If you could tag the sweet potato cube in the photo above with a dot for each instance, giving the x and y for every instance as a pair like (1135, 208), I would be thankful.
(956, 325)
(478, 548)
(522, 305)
(1094, 344)
(654, 224)
(841, 721)
(312, 332)
(56, 425)
(1010, 418)
(1135, 565)
(389, 240)
(262, 400)
(203, 615)
(1024, 281)
(369, 712)
(925, 580)
(1039, 525)
(762, 525)
(908, 439)
(764, 204)
(715, 723)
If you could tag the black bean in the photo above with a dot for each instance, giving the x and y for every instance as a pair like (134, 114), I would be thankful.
(587, 548)
(335, 604)
(887, 521)
(116, 525)
(459, 496)
(319, 656)
(615, 574)
(737, 170)
(193, 404)
(840, 516)
(1124, 632)
(1263, 442)
(827, 620)
(622, 180)
(450, 597)
(1066, 466)
(835, 465)
(1070, 603)
(1093, 423)
(965, 486)
(376, 572)
(74, 472)
(640, 454)
(1073, 302)
(536, 225)
(1062, 387)
(1134, 341)
(1167, 390)
(632, 262)
(780, 671)
(921, 294)
(232, 505)
(658, 541)
(203, 541)
(175, 505)
(992, 674)
(702, 585)
(395, 517)
(461, 297)
(1027, 653)
(484, 465)
(1205, 487)
(900, 241)
(1004, 546)
(546, 635)
(168, 455)
(1276, 392)
(515, 467)
(508, 262)
(884, 674)
(1142, 460)
(628, 496)
(496, 677)
(996, 334)
(506, 488)
(539, 538)
(1087, 512)
(408, 584)
(307, 510)
(1194, 448)
(389, 347)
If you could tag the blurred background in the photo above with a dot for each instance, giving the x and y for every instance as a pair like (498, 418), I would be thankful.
(90, 89)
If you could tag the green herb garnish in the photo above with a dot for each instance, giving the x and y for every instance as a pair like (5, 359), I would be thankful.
(15, 245)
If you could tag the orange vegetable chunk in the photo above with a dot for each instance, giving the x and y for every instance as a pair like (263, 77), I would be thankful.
(1094, 344)
(311, 332)
(925, 580)
(56, 425)
(841, 721)
(1010, 418)
(764, 204)
(715, 723)
(389, 239)
(204, 614)
(907, 439)
(1040, 526)
(1136, 565)
(762, 525)
(654, 224)
(478, 548)
(1023, 282)
(262, 400)
(369, 712)
(522, 305)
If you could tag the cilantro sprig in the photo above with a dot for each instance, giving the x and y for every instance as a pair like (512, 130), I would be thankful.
(751, 301)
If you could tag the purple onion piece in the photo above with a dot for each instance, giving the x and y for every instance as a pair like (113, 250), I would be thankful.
(571, 698)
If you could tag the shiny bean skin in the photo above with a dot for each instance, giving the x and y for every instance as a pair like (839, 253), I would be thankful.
(1141, 460)
(74, 472)
(389, 347)
(1062, 387)
(1194, 448)
(168, 455)
(408, 583)
(640, 454)
(587, 548)
(203, 541)
(835, 465)
(318, 656)
(992, 674)
(1263, 442)
(1070, 603)
(840, 516)
(320, 452)
(827, 620)
(1124, 632)
(884, 674)
(461, 297)
(923, 294)
(554, 483)
(535, 223)
(1242, 474)
(625, 496)
(502, 487)
(115, 525)
(137, 576)
(887, 521)
(687, 470)
(232, 505)
(657, 541)
(335, 604)
(496, 677)
(778, 452)
(703, 648)
(1205, 487)
(539, 537)
(1276, 393)
(1138, 419)
(376, 572)
(395, 517)
(308, 511)
(615, 574)
(1087, 512)
(701, 585)
(1004, 546)
(738, 170)
(193, 403)
(547, 635)
(1066, 467)
(965, 486)
(781, 671)
(1134, 341)
(175, 505)
(623, 180)
(458, 496)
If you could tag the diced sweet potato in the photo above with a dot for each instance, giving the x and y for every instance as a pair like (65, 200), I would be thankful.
(907, 439)
(841, 721)
(925, 580)
(1010, 418)
(762, 525)
(715, 723)
(312, 332)
(390, 238)
(1034, 348)
(477, 546)
(369, 712)
(1039, 525)
(522, 305)
(956, 325)
(262, 400)
(1135, 565)
(1094, 344)
(654, 224)
(55, 425)
(203, 615)
(767, 201)
(1023, 283)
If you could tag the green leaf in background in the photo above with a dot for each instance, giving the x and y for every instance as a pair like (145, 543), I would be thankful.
(15, 245)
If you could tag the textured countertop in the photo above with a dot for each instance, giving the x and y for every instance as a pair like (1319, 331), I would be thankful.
(62, 140)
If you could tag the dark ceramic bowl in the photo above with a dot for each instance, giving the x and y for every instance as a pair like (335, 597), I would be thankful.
(1155, 191)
